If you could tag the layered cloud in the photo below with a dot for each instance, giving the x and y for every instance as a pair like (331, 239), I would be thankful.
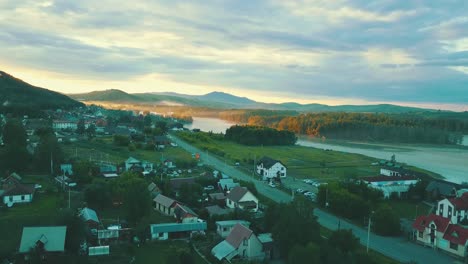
(362, 51)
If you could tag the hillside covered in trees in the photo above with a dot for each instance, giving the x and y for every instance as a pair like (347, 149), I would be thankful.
(442, 128)
(19, 97)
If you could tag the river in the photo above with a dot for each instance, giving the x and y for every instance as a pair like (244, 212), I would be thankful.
(207, 124)
(450, 162)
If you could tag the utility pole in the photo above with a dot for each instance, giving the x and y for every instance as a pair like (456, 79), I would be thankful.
(368, 231)
(68, 196)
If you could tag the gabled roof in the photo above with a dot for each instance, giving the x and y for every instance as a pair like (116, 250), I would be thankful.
(268, 162)
(177, 227)
(164, 200)
(152, 187)
(238, 234)
(216, 210)
(89, 215)
(217, 196)
(178, 182)
(182, 211)
(237, 193)
(444, 188)
(222, 250)
(132, 160)
(52, 237)
(460, 203)
(424, 221)
(456, 234)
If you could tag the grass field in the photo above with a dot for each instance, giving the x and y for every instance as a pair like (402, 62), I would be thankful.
(301, 162)
(103, 149)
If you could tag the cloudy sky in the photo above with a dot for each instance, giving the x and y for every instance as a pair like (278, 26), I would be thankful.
(330, 51)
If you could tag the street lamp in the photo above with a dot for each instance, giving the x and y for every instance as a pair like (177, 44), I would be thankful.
(368, 231)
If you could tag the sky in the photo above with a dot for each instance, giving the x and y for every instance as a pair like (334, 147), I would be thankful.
(322, 51)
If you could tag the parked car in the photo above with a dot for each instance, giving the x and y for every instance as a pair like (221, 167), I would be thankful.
(308, 181)
(208, 188)
(309, 194)
(300, 191)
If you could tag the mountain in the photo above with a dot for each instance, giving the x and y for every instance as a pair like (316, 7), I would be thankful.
(228, 101)
(19, 95)
(226, 98)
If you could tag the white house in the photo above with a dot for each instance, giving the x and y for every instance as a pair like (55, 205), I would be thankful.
(242, 243)
(269, 168)
(13, 191)
(64, 124)
(184, 214)
(242, 198)
(391, 184)
(224, 228)
(430, 229)
(456, 209)
(164, 204)
(388, 171)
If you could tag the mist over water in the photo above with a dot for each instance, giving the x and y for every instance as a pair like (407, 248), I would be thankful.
(210, 124)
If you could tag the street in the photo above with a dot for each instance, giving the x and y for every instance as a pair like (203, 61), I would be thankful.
(394, 247)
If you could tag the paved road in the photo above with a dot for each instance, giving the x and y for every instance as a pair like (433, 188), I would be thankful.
(263, 188)
(396, 248)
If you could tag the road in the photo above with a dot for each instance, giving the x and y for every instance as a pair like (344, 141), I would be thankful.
(397, 248)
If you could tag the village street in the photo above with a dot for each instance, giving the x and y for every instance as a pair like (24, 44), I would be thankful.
(396, 248)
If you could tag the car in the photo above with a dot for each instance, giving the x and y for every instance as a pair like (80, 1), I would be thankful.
(310, 194)
(299, 190)
(308, 181)
(208, 188)
(272, 185)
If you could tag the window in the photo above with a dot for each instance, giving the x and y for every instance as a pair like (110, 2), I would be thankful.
(23, 197)
(420, 234)
(160, 234)
(246, 242)
(10, 198)
(453, 246)
(225, 229)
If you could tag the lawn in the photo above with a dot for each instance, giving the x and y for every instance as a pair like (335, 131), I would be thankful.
(103, 149)
(301, 162)
(158, 252)
(407, 209)
(42, 211)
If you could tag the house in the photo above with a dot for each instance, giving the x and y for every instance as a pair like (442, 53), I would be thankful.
(455, 209)
(161, 142)
(215, 210)
(168, 163)
(224, 228)
(226, 185)
(64, 124)
(217, 198)
(164, 204)
(48, 239)
(90, 217)
(269, 168)
(242, 198)
(391, 184)
(176, 230)
(267, 243)
(455, 241)
(242, 243)
(132, 164)
(430, 229)
(12, 191)
(153, 189)
(437, 189)
(183, 214)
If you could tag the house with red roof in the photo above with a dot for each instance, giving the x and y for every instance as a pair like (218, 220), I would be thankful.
(456, 209)
(241, 243)
(445, 230)
(430, 229)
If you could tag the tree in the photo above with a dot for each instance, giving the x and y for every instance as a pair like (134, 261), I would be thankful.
(97, 195)
(80, 127)
(76, 231)
(46, 151)
(309, 254)
(121, 140)
(344, 240)
(85, 171)
(14, 156)
(136, 198)
(14, 134)
(386, 221)
(91, 131)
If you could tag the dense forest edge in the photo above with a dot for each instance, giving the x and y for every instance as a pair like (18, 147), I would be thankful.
(427, 128)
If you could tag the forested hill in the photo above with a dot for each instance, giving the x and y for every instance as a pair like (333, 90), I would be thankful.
(18, 96)
(444, 128)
